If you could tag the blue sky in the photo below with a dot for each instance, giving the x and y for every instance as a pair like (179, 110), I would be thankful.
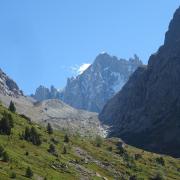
(40, 40)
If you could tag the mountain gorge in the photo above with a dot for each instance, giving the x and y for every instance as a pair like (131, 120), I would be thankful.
(146, 112)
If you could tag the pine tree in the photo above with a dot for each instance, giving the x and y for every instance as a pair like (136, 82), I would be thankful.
(12, 107)
(27, 134)
(29, 173)
(66, 139)
(64, 150)
(5, 126)
(49, 129)
(31, 135)
(35, 137)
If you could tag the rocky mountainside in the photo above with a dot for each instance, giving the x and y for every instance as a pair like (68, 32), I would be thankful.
(59, 114)
(146, 112)
(8, 86)
(44, 93)
(97, 84)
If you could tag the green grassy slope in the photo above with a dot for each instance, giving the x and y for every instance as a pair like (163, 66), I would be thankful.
(84, 160)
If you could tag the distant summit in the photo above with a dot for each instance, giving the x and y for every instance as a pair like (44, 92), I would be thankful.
(99, 82)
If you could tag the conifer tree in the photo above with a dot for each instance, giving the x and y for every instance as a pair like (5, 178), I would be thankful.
(66, 139)
(49, 129)
(29, 173)
(12, 107)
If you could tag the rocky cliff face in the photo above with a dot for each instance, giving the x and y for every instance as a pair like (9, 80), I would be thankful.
(146, 112)
(95, 86)
(43, 93)
(8, 86)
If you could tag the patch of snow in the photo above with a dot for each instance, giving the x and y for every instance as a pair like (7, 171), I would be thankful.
(82, 68)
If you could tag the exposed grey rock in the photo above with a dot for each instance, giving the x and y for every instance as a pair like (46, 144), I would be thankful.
(60, 115)
(146, 112)
(43, 93)
(8, 86)
(101, 81)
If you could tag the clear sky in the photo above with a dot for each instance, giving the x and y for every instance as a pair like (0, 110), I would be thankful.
(41, 40)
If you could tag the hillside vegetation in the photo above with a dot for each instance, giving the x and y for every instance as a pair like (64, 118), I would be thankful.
(60, 155)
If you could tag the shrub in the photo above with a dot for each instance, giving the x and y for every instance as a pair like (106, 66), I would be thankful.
(29, 173)
(137, 156)
(13, 175)
(98, 141)
(158, 176)
(133, 178)
(161, 161)
(1, 151)
(55, 141)
(52, 149)
(5, 156)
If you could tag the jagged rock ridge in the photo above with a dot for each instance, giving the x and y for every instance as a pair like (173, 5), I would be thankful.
(101, 81)
(146, 112)
(44, 93)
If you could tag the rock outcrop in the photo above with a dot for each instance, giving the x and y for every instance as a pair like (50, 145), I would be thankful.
(146, 112)
(44, 93)
(99, 82)
(8, 86)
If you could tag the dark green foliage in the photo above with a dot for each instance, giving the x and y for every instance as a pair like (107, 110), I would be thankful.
(52, 149)
(64, 150)
(66, 139)
(6, 124)
(13, 175)
(160, 161)
(31, 135)
(49, 129)
(122, 151)
(133, 178)
(27, 153)
(5, 156)
(35, 137)
(12, 107)
(29, 173)
(158, 176)
(110, 148)
(137, 156)
(55, 141)
(1, 150)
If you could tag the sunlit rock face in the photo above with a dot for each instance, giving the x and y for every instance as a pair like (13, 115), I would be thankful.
(99, 82)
